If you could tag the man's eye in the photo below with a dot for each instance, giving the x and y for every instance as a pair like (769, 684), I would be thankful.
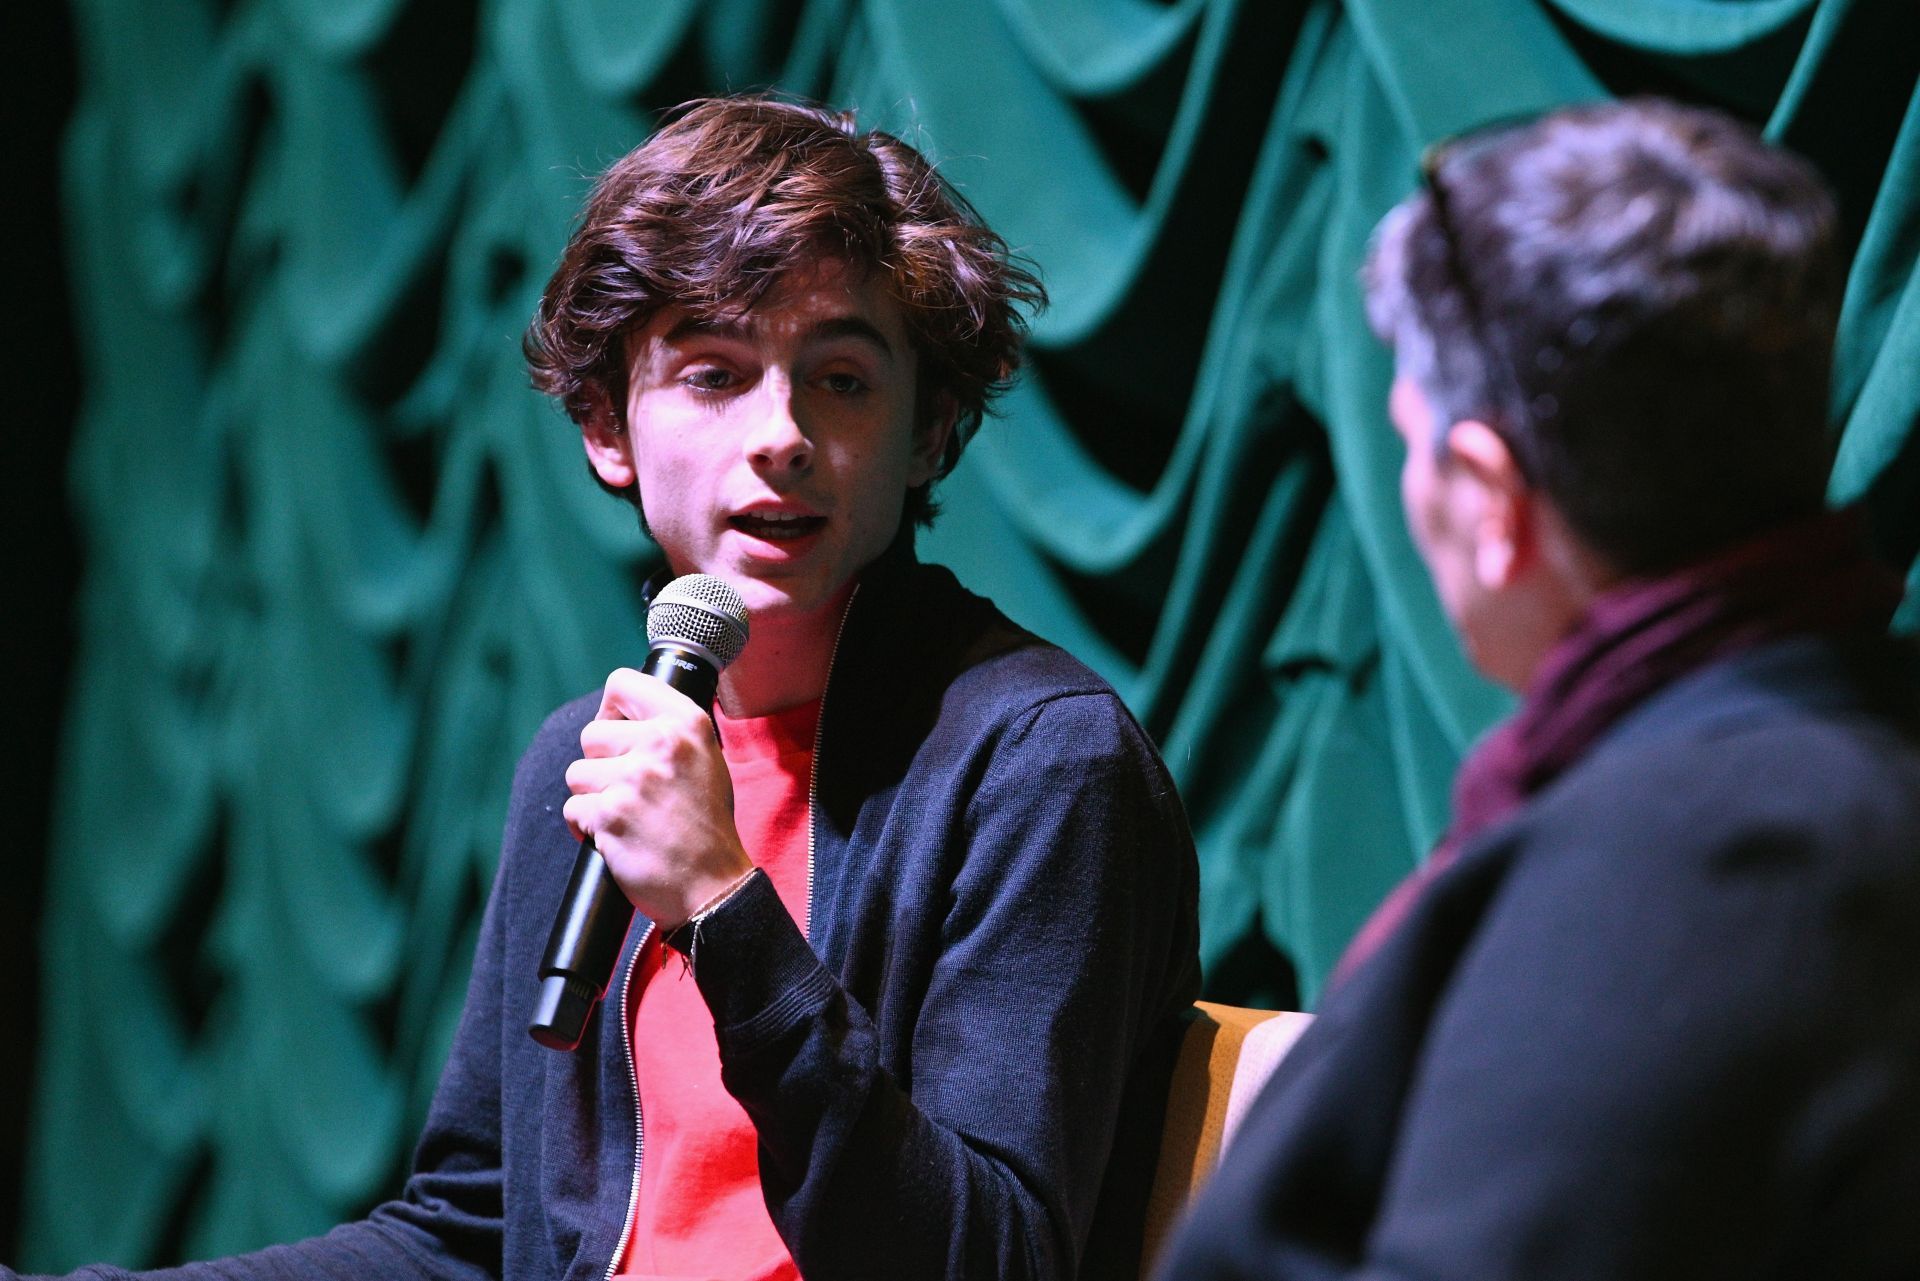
(710, 379)
(843, 384)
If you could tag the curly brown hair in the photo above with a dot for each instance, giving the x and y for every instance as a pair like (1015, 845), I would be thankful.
(713, 211)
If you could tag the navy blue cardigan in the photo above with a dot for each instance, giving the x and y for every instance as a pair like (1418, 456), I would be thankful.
(1662, 1024)
(962, 1075)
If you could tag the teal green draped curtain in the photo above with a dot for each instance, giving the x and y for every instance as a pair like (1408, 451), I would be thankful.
(341, 559)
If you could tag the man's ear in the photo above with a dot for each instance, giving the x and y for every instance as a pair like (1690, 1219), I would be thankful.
(609, 447)
(1502, 524)
(930, 439)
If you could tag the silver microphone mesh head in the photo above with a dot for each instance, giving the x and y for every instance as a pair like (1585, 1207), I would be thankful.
(698, 609)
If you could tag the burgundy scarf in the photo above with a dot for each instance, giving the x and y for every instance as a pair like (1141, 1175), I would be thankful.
(1812, 576)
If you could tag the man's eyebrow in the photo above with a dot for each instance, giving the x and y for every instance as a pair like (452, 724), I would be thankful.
(706, 326)
(851, 327)
(740, 329)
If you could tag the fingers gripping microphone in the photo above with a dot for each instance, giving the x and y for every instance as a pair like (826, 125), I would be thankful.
(695, 626)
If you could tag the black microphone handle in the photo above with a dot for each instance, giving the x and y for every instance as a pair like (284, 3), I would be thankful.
(594, 912)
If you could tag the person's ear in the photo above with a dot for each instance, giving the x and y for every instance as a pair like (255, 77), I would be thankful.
(1503, 503)
(930, 439)
(609, 446)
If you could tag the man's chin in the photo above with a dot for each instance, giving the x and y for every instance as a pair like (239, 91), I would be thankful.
(776, 593)
(780, 599)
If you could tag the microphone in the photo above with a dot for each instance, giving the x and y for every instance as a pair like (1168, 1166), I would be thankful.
(696, 626)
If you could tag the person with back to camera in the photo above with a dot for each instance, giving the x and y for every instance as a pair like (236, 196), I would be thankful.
(1652, 1008)
(914, 935)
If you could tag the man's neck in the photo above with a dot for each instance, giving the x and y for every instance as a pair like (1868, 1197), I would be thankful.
(786, 662)
(1545, 605)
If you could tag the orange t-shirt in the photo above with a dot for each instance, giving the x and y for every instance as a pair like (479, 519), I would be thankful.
(700, 1215)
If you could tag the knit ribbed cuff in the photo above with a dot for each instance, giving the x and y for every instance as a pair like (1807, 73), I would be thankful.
(755, 969)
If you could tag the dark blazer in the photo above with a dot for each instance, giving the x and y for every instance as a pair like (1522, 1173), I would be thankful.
(1664, 1022)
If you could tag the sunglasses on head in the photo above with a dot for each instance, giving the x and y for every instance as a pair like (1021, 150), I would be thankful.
(1512, 401)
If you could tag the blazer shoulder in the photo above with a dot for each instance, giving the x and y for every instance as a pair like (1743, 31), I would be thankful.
(1739, 767)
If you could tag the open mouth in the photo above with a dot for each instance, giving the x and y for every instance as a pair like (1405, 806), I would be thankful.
(778, 527)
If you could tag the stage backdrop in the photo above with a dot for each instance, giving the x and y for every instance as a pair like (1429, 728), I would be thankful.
(341, 560)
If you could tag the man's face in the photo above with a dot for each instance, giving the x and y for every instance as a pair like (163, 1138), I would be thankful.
(775, 450)
(1447, 498)
(1427, 498)
(1511, 579)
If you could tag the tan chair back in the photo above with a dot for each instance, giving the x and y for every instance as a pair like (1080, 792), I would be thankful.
(1225, 1057)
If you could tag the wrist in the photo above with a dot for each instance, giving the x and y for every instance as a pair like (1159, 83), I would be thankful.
(718, 894)
(684, 938)
(701, 884)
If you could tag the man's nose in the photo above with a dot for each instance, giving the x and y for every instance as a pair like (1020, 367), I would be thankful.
(778, 441)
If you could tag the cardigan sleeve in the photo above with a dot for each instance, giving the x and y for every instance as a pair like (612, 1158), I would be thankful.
(1068, 941)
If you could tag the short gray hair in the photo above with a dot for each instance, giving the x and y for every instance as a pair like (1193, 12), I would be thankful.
(1640, 297)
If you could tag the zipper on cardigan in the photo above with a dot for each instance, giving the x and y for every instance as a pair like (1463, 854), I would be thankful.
(813, 768)
(626, 981)
(633, 1081)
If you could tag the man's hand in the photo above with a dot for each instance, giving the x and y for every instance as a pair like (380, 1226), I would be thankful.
(654, 794)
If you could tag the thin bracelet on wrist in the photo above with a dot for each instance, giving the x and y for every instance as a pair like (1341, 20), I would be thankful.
(688, 931)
